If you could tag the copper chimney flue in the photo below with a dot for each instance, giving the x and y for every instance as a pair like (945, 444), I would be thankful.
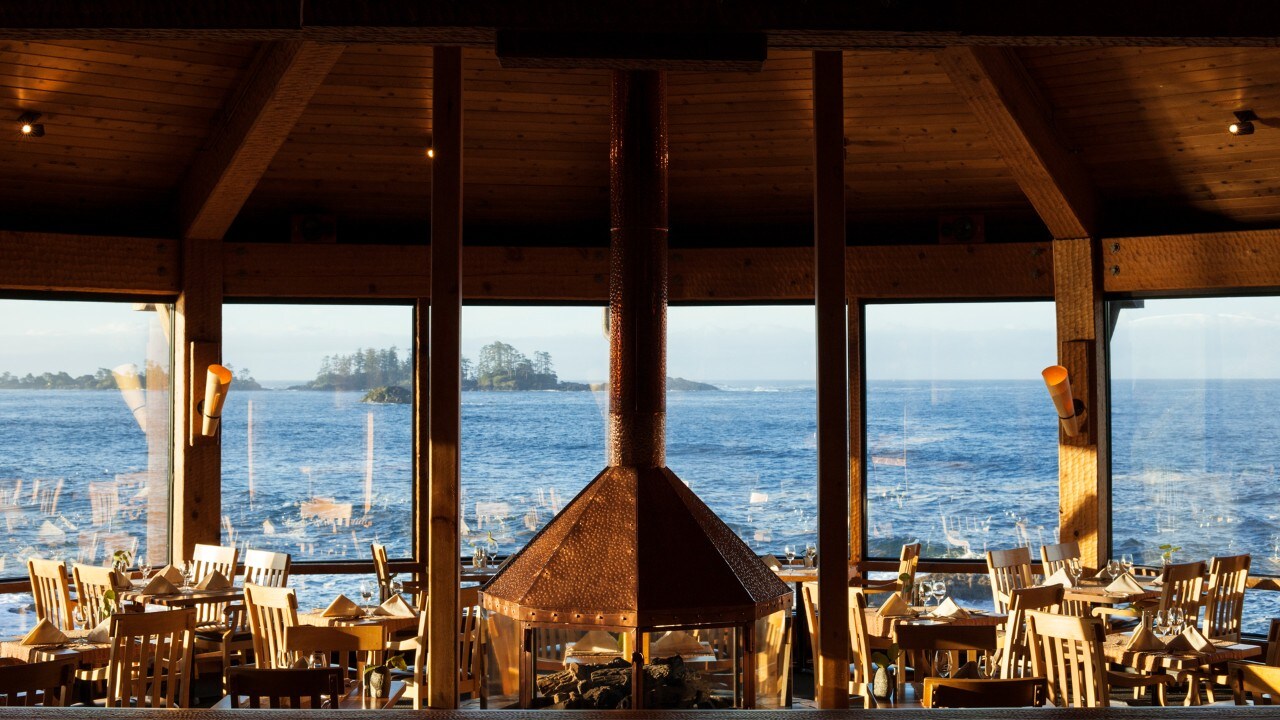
(636, 551)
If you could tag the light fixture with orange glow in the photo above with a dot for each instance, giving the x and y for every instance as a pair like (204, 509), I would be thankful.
(1243, 124)
(431, 152)
(217, 381)
(1069, 409)
(28, 125)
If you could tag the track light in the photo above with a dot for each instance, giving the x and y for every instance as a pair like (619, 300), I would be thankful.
(29, 126)
(431, 152)
(1243, 124)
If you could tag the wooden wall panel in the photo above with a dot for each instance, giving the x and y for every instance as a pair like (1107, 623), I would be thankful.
(1192, 263)
(85, 263)
(327, 271)
(1013, 270)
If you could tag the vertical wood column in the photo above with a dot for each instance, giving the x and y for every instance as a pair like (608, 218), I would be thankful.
(445, 421)
(421, 435)
(833, 376)
(197, 469)
(1084, 477)
(857, 434)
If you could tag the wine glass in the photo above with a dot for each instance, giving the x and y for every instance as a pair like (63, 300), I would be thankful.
(1074, 570)
(366, 592)
(938, 588)
(790, 552)
(810, 552)
(319, 660)
(188, 573)
(144, 566)
(397, 586)
(1177, 621)
(1162, 623)
(1126, 561)
(1115, 568)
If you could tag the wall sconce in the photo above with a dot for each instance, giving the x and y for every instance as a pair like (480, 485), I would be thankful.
(217, 381)
(129, 380)
(1069, 409)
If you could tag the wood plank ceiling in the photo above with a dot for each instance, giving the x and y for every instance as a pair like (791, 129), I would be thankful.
(124, 121)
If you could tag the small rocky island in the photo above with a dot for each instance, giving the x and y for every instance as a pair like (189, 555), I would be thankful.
(388, 394)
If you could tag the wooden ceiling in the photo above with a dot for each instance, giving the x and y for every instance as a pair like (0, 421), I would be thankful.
(125, 122)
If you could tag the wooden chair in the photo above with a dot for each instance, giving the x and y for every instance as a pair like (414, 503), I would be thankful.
(266, 569)
(1260, 681)
(1182, 586)
(231, 640)
(775, 680)
(861, 672)
(150, 662)
(983, 693)
(923, 645)
(1058, 557)
(355, 645)
(382, 568)
(471, 652)
(41, 683)
(1067, 652)
(93, 582)
(1015, 653)
(1008, 570)
(300, 688)
(1273, 643)
(908, 560)
(1224, 603)
(271, 611)
(52, 592)
(204, 560)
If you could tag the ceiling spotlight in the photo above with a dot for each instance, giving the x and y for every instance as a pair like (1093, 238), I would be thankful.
(1243, 124)
(29, 126)
(431, 152)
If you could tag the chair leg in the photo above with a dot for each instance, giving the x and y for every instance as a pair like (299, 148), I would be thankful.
(1158, 697)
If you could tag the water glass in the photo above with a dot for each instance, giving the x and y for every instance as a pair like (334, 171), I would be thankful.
(1126, 561)
(1177, 621)
(397, 586)
(366, 592)
(144, 565)
(939, 590)
(188, 573)
(319, 660)
(790, 552)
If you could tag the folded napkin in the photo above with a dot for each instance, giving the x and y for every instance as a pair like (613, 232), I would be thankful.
(894, 606)
(675, 642)
(773, 562)
(101, 633)
(159, 586)
(1125, 584)
(121, 581)
(171, 573)
(342, 606)
(1143, 640)
(44, 633)
(1190, 641)
(214, 581)
(596, 641)
(396, 606)
(949, 609)
(1059, 577)
(969, 671)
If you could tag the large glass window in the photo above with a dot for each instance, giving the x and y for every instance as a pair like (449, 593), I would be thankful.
(85, 441)
(1193, 433)
(317, 441)
(741, 417)
(962, 441)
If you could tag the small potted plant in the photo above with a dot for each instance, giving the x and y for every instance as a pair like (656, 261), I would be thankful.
(120, 561)
(885, 682)
(377, 678)
(1167, 551)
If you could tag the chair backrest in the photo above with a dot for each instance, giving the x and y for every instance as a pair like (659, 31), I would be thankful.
(1256, 680)
(356, 645)
(300, 688)
(150, 662)
(1224, 605)
(1273, 643)
(93, 582)
(42, 683)
(51, 591)
(983, 693)
(809, 597)
(1015, 655)
(859, 637)
(1056, 557)
(1009, 570)
(1067, 652)
(470, 641)
(204, 560)
(270, 611)
(267, 569)
(909, 560)
(1182, 587)
(923, 647)
(382, 569)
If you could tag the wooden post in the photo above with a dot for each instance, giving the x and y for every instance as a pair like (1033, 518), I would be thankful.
(857, 433)
(1083, 474)
(421, 436)
(197, 468)
(833, 429)
(443, 564)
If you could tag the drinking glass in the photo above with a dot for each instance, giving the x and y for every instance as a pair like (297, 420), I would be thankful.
(397, 586)
(1115, 568)
(1126, 561)
(366, 592)
(1162, 623)
(1074, 570)
(810, 552)
(938, 588)
(942, 664)
(790, 552)
(319, 660)
(188, 573)
(144, 565)
(1177, 621)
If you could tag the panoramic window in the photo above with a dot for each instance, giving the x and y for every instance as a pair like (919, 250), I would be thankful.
(317, 430)
(741, 418)
(962, 440)
(533, 418)
(1193, 438)
(85, 441)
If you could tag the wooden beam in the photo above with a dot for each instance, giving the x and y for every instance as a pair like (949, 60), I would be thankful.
(1006, 270)
(32, 261)
(445, 430)
(248, 131)
(857, 361)
(1192, 263)
(1083, 475)
(1003, 97)
(421, 436)
(832, 378)
(327, 271)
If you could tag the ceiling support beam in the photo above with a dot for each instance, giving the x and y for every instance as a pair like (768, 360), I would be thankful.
(1004, 98)
(249, 130)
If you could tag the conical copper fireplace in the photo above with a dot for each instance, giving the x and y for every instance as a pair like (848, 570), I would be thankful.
(636, 553)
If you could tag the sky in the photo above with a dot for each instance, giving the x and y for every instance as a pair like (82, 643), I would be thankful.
(1168, 338)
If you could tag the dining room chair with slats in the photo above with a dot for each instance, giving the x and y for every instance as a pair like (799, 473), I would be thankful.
(930, 648)
(1015, 653)
(41, 683)
(271, 611)
(908, 561)
(471, 653)
(1058, 557)
(1223, 614)
(355, 646)
(983, 692)
(95, 590)
(267, 569)
(860, 667)
(1008, 570)
(204, 560)
(285, 688)
(1067, 651)
(52, 592)
(151, 655)
(1262, 682)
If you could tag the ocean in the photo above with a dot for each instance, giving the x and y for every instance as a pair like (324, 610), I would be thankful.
(961, 466)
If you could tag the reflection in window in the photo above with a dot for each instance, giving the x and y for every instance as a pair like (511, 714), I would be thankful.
(1194, 459)
(85, 440)
(962, 446)
(317, 442)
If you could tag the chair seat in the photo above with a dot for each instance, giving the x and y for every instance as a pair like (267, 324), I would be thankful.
(217, 635)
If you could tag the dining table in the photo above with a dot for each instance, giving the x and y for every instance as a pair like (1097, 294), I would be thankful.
(89, 654)
(184, 598)
(882, 627)
(354, 699)
(1150, 661)
(1094, 592)
(394, 624)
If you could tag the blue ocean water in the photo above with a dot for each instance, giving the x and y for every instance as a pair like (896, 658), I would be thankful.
(961, 466)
